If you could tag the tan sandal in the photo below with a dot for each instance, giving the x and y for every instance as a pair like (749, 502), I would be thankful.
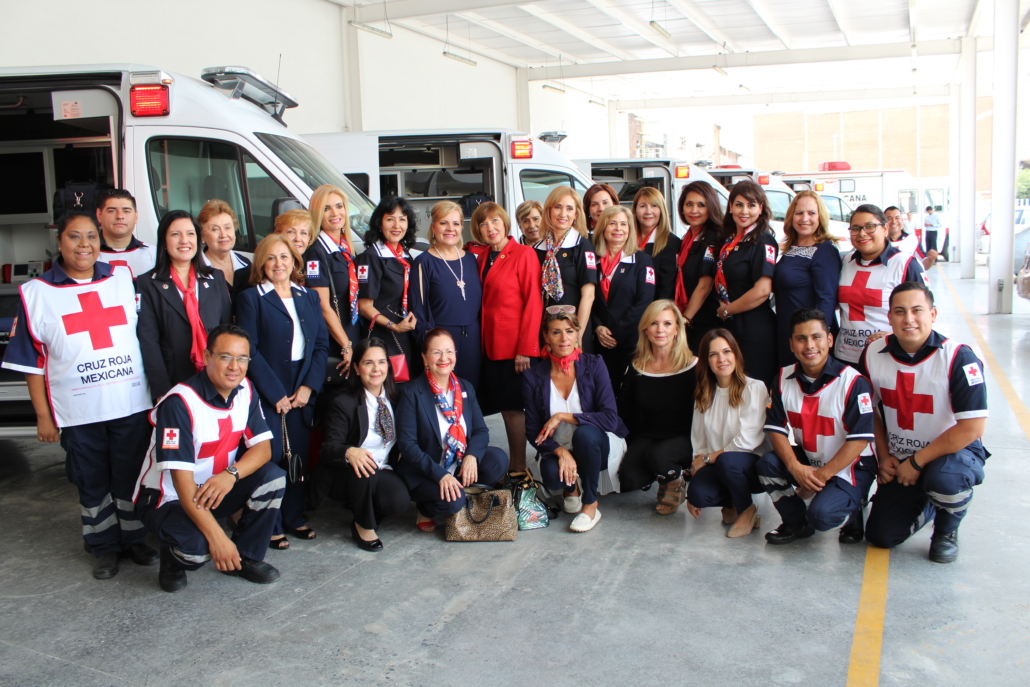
(754, 522)
(670, 496)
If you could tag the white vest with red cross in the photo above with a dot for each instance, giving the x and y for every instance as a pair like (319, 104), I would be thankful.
(916, 397)
(139, 259)
(864, 295)
(818, 418)
(217, 433)
(92, 359)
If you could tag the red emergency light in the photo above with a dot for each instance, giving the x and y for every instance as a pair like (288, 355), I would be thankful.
(728, 167)
(834, 166)
(819, 187)
(763, 179)
(522, 150)
(683, 172)
(150, 100)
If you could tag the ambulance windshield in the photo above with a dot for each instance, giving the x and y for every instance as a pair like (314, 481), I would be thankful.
(314, 170)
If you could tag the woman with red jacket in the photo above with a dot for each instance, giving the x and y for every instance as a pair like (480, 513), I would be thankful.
(512, 310)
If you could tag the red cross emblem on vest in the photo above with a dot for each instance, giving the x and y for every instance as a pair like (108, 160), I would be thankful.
(219, 449)
(857, 297)
(95, 319)
(811, 423)
(905, 401)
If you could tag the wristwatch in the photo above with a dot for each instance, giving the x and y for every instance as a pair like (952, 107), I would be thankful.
(707, 459)
(234, 472)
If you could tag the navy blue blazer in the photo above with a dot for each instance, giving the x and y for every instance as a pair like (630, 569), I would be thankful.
(418, 432)
(631, 291)
(595, 393)
(263, 314)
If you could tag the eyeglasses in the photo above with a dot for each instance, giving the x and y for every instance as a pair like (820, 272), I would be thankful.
(560, 310)
(225, 359)
(868, 228)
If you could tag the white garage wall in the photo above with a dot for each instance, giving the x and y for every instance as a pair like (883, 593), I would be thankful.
(189, 35)
(586, 124)
(407, 83)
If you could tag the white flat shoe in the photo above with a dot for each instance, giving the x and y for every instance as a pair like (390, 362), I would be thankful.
(573, 504)
(584, 523)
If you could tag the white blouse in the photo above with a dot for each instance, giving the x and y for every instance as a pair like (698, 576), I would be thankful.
(572, 404)
(722, 428)
(374, 443)
(297, 352)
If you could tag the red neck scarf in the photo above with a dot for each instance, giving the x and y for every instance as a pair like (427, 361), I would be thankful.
(565, 364)
(454, 441)
(608, 264)
(645, 239)
(682, 297)
(352, 278)
(189, 299)
(398, 253)
(720, 277)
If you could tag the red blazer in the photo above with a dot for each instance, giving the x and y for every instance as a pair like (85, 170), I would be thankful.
(513, 306)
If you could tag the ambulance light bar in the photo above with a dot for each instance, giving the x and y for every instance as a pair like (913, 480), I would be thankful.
(249, 85)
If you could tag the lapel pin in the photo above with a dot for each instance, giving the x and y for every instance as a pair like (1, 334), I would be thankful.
(205, 285)
(164, 286)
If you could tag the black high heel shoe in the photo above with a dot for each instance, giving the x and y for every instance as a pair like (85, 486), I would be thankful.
(373, 546)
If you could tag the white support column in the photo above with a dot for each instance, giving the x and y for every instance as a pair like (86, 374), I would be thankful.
(613, 128)
(967, 158)
(958, 252)
(1003, 154)
(351, 73)
(522, 100)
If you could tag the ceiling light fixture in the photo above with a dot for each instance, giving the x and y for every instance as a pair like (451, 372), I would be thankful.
(459, 58)
(720, 70)
(371, 29)
(661, 30)
(549, 87)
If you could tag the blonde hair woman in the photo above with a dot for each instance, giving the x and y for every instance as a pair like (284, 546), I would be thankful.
(808, 272)
(296, 225)
(567, 257)
(626, 288)
(330, 268)
(446, 291)
(655, 237)
(657, 404)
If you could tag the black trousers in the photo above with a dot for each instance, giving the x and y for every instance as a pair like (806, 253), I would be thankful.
(647, 460)
(931, 240)
(103, 460)
(370, 499)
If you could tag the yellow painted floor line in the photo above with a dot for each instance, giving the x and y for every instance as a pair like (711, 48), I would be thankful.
(864, 666)
(1000, 376)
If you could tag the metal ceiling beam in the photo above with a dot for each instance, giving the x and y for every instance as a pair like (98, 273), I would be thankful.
(754, 59)
(777, 28)
(940, 91)
(835, 9)
(461, 45)
(503, 30)
(410, 9)
(576, 32)
(702, 21)
(631, 22)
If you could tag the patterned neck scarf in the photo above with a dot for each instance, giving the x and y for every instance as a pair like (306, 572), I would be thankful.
(608, 264)
(551, 277)
(352, 277)
(682, 297)
(189, 299)
(384, 422)
(565, 364)
(398, 253)
(454, 440)
(720, 276)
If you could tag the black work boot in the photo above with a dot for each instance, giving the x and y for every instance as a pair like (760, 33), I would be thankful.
(171, 577)
(106, 565)
(141, 554)
(258, 572)
(853, 531)
(786, 532)
(944, 547)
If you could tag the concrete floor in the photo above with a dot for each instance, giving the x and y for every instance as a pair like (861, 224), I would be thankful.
(642, 600)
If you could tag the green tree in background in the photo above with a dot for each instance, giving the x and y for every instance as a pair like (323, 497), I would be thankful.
(1023, 184)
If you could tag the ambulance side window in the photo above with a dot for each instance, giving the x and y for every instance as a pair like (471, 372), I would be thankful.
(262, 192)
(537, 183)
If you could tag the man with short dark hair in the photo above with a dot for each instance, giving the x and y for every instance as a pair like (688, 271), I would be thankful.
(931, 412)
(208, 459)
(904, 241)
(116, 213)
(829, 406)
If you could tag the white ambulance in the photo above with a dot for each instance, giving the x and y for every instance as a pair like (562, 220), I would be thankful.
(627, 176)
(465, 166)
(173, 141)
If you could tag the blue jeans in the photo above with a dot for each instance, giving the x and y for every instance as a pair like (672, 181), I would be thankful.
(590, 449)
(729, 481)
